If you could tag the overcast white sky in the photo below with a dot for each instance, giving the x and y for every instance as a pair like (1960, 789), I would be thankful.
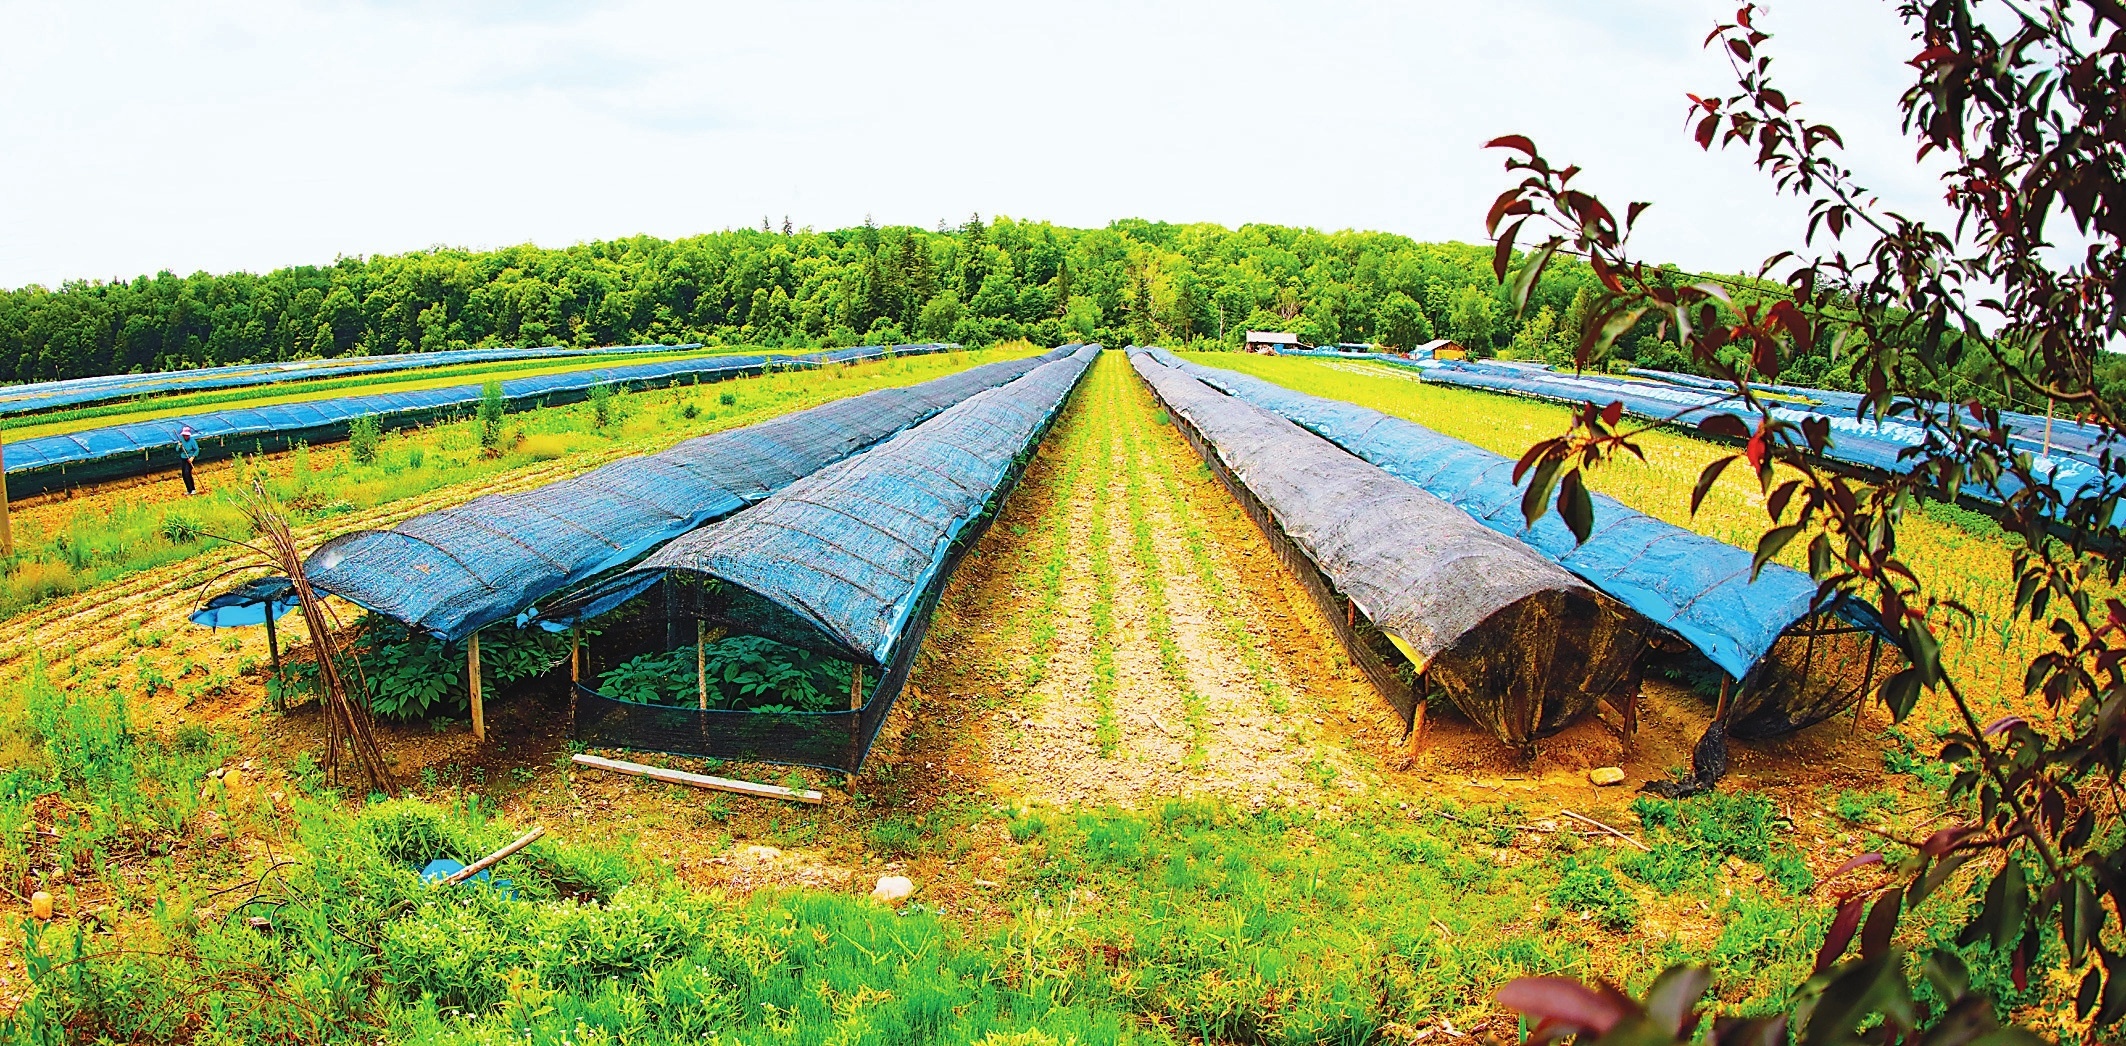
(250, 135)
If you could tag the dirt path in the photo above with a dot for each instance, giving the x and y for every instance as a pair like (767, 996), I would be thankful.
(1150, 683)
(1185, 659)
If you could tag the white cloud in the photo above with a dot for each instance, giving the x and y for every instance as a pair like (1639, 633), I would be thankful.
(248, 135)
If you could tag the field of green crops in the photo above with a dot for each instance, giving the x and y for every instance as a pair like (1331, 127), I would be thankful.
(1143, 796)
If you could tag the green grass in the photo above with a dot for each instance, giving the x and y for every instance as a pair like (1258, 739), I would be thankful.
(1158, 612)
(1193, 920)
(71, 546)
(1188, 514)
(1107, 731)
(1076, 444)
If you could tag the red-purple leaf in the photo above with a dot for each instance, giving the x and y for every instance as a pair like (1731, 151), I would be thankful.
(1881, 925)
(2004, 724)
(1565, 1000)
(1512, 141)
(1726, 425)
(1943, 841)
(1840, 936)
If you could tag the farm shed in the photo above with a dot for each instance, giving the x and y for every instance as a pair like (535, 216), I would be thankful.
(115, 451)
(1518, 644)
(1795, 666)
(846, 564)
(1440, 349)
(1271, 341)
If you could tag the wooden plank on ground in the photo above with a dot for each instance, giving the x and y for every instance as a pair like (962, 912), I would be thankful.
(722, 784)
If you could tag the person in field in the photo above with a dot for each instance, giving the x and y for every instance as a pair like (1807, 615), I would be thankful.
(187, 451)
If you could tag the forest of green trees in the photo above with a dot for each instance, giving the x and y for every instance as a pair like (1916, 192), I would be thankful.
(982, 282)
(1132, 281)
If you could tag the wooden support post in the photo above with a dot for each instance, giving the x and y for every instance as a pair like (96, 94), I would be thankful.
(1867, 682)
(701, 661)
(856, 687)
(1720, 709)
(7, 529)
(2048, 426)
(472, 675)
(273, 647)
(575, 657)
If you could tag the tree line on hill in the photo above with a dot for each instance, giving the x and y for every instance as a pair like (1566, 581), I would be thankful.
(1131, 281)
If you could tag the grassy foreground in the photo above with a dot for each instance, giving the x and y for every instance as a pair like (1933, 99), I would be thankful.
(195, 908)
(64, 546)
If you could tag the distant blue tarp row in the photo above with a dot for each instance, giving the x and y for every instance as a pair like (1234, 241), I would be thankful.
(91, 455)
(74, 392)
(2026, 431)
(1695, 586)
(1870, 444)
(454, 571)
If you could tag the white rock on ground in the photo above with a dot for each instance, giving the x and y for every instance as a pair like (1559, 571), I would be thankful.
(892, 889)
(1606, 775)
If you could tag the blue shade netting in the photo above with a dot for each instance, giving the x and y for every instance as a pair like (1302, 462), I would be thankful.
(250, 604)
(1694, 586)
(847, 562)
(116, 451)
(1880, 444)
(454, 571)
(34, 397)
(1410, 583)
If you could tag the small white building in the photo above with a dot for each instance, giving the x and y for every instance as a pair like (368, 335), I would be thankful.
(1270, 341)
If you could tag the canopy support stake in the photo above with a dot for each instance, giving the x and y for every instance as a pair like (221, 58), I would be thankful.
(1720, 709)
(1867, 683)
(575, 658)
(701, 660)
(856, 687)
(273, 647)
(472, 673)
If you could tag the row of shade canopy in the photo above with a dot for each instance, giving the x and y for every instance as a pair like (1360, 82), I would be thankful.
(1519, 624)
(830, 529)
(39, 396)
(2068, 453)
(132, 448)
